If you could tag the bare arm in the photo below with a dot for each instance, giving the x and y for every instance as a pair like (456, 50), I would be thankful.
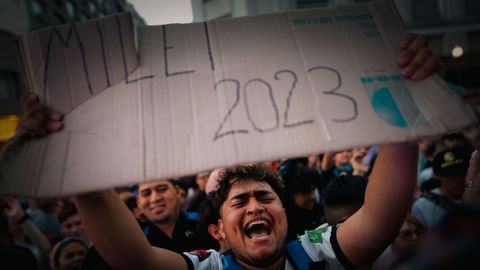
(107, 220)
(389, 194)
(39, 240)
(327, 161)
(471, 196)
(117, 236)
(391, 185)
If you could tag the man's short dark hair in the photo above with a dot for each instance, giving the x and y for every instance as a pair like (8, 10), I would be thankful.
(256, 172)
(303, 181)
(208, 211)
(345, 190)
(68, 210)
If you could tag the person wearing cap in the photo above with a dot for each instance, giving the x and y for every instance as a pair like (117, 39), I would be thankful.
(450, 166)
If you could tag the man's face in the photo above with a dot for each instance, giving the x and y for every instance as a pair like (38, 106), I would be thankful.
(72, 227)
(201, 180)
(254, 223)
(407, 238)
(159, 201)
(304, 200)
(453, 186)
(342, 158)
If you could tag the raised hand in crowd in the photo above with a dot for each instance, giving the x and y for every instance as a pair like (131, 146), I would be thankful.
(38, 120)
(25, 232)
(471, 196)
(416, 60)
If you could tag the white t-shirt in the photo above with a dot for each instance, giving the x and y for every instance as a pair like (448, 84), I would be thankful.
(316, 244)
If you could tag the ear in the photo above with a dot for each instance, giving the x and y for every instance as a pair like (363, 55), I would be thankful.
(177, 189)
(214, 232)
(221, 229)
(137, 200)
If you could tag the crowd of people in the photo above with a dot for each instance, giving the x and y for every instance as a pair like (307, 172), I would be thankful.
(362, 208)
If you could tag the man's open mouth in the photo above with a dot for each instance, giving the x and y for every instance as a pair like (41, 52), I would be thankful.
(257, 228)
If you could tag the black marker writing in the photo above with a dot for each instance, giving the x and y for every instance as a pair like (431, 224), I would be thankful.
(274, 105)
(102, 45)
(212, 65)
(165, 56)
(66, 43)
(124, 59)
(333, 92)
(218, 133)
(250, 117)
(288, 101)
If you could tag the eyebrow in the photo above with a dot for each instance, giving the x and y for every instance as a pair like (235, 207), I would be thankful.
(256, 193)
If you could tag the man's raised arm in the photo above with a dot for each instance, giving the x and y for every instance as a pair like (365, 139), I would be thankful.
(107, 221)
(364, 235)
(389, 194)
(117, 235)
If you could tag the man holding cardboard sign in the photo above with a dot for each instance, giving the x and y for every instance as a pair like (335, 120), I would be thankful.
(252, 216)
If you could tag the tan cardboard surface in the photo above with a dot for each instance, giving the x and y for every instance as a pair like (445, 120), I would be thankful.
(221, 93)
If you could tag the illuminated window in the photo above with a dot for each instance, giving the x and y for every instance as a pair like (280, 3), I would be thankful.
(37, 8)
(70, 9)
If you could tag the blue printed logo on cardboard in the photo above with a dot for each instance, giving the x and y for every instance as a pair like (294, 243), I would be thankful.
(391, 101)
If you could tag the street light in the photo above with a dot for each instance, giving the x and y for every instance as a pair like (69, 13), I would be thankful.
(457, 51)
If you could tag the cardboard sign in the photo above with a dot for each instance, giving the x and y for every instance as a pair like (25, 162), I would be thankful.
(219, 93)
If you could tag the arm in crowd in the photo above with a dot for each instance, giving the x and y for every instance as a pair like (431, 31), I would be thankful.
(327, 161)
(15, 212)
(471, 196)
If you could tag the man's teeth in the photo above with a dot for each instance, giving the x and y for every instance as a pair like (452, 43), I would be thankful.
(257, 222)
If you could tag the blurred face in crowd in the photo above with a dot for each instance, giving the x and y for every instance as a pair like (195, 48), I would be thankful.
(253, 221)
(453, 186)
(201, 180)
(407, 237)
(72, 256)
(159, 201)
(423, 146)
(305, 200)
(342, 158)
(72, 227)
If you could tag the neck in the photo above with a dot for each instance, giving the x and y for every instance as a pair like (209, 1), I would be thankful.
(167, 228)
(276, 265)
(448, 194)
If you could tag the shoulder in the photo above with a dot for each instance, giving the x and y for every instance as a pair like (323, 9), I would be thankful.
(321, 244)
(317, 244)
(203, 259)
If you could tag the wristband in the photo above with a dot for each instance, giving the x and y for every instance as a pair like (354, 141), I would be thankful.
(24, 218)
